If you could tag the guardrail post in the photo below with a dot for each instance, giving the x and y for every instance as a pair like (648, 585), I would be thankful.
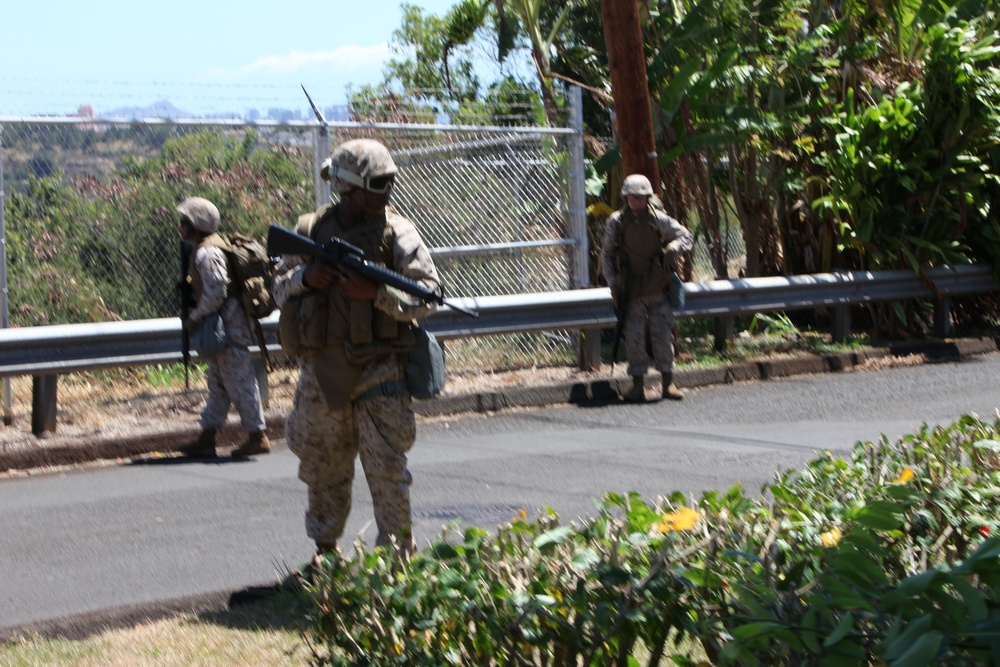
(841, 323)
(723, 332)
(590, 350)
(942, 317)
(43, 404)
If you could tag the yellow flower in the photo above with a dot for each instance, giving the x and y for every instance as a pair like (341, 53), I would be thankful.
(831, 538)
(905, 476)
(683, 519)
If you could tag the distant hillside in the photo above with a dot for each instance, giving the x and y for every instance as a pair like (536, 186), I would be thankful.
(342, 112)
(160, 109)
(166, 110)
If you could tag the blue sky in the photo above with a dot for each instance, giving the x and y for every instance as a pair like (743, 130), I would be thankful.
(202, 55)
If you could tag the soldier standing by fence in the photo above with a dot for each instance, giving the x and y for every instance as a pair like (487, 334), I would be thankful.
(231, 377)
(639, 257)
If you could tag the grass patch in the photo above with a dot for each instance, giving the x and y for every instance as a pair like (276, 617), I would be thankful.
(268, 632)
(758, 337)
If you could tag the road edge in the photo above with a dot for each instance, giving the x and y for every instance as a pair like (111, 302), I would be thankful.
(92, 449)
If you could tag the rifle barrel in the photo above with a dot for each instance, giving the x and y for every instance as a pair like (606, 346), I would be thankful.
(281, 241)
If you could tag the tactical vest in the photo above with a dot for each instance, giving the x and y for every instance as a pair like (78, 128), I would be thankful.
(343, 334)
(641, 254)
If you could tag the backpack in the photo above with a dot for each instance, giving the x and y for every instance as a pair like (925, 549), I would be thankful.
(252, 274)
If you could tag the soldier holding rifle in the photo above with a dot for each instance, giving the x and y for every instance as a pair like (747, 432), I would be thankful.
(351, 335)
(639, 257)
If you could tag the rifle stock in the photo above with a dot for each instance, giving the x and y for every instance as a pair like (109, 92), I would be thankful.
(338, 252)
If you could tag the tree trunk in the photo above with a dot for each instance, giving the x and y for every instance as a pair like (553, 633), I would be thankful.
(630, 88)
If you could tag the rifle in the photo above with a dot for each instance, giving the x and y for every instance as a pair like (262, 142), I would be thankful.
(186, 298)
(338, 252)
(621, 310)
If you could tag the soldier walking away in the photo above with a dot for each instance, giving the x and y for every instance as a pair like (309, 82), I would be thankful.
(639, 258)
(231, 377)
(350, 335)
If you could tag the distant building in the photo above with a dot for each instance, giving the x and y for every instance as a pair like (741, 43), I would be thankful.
(87, 111)
(284, 115)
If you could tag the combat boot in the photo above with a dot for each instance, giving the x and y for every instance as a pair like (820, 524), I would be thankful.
(203, 447)
(257, 443)
(637, 394)
(670, 390)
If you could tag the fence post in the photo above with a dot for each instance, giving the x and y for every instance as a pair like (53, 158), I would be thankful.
(8, 410)
(321, 151)
(589, 342)
(43, 404)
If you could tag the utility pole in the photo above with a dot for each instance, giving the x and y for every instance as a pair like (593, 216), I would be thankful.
(630, 88)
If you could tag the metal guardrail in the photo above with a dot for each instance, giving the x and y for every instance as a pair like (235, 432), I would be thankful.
(846, 288)
(63, 348)
(53, 350)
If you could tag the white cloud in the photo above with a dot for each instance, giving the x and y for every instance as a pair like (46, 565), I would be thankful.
(346, 59)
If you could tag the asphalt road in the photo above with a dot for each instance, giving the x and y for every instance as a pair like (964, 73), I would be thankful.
(130, 536)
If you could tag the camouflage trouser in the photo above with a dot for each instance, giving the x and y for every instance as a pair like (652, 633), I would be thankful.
(231, 379)
(654, 311)
(381, 430)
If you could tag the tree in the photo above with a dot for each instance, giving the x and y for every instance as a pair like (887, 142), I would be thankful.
(432, 60)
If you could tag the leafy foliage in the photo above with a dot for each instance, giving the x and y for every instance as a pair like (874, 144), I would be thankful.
(908, 177)
(882, 558)
(115, 240)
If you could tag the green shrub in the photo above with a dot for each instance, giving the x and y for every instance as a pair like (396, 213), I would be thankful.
(881, 558)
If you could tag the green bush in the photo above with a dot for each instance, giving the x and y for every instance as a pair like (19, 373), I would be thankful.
(98, 250)
(883, 558)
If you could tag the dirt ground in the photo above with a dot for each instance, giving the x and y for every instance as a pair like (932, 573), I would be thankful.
(87, 412)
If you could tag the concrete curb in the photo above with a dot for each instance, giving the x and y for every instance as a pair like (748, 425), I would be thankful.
(580, 393)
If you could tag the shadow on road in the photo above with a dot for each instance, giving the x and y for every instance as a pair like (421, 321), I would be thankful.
(188, 460)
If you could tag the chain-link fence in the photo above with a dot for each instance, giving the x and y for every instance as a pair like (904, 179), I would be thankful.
(91, 233)
(90, 229)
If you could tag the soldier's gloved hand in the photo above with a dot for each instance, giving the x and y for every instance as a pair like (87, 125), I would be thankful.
(190, 326)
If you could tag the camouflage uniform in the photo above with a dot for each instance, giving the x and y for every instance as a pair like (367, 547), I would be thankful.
(639, 241)
(231, 377)
(347, 408)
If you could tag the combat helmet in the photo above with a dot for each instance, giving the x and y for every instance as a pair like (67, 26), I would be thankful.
(203, 214)
(360, 163)
(636, 184)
